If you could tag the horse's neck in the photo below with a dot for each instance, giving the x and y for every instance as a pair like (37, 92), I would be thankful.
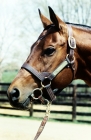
(83, 55)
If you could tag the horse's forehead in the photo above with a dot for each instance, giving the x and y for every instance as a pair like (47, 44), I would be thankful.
(51, 38)
(46, 39)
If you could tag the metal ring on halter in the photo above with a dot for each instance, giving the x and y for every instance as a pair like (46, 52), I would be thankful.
(46, 81)
(47, 102)
(70, 62)
(39, 90)
(70, 43)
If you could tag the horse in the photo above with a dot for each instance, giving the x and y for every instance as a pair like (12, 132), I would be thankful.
(61, 54)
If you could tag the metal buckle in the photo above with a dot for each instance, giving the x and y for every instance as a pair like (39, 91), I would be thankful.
(72, 42)
(70, 61)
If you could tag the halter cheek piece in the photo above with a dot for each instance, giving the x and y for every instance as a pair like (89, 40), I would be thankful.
(46, 77)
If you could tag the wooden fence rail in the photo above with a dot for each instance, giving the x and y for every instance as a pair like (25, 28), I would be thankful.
(74, 96)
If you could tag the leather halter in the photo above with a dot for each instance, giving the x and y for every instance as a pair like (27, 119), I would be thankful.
(46, 77)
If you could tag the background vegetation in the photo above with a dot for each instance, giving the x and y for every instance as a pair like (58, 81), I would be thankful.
(20, 26)
(8, 76)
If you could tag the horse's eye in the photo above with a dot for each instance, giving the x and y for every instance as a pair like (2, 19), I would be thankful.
(49, 51)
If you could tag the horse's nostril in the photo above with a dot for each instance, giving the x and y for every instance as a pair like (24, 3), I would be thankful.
(15, 95)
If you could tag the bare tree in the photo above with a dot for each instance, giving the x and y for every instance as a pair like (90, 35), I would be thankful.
(76, 11)
(6, 41)
(20, 27)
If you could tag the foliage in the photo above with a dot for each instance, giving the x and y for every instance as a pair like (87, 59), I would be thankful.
(8, 76)
(22, 26)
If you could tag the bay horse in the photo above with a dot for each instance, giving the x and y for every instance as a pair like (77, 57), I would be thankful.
(61, 54)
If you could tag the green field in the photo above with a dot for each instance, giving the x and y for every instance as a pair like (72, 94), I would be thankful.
(8, 76)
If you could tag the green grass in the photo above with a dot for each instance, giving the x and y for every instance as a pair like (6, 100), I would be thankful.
(8, 76)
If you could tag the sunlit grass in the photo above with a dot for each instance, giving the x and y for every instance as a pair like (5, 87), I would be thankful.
(8, 76)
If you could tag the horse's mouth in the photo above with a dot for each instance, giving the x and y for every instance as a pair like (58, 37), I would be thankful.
(24, 105)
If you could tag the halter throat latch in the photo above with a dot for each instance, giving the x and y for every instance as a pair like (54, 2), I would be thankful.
(72, 47)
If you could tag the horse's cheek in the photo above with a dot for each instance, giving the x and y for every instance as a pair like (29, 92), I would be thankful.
(63, 78)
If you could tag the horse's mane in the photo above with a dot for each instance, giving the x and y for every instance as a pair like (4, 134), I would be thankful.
(82, 26)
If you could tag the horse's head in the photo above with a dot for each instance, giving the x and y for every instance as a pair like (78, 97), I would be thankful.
(47, 53)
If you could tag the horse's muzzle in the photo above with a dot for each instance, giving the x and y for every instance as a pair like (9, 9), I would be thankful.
(14, 97)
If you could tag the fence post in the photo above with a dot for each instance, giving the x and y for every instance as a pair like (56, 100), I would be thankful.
(74, 104)
(31, 110)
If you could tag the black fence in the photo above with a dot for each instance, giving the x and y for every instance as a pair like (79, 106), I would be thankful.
(78, 97)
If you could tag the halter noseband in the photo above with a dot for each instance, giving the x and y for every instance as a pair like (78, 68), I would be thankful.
(46, 77)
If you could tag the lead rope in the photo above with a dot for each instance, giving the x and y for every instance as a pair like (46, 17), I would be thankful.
(43, 123)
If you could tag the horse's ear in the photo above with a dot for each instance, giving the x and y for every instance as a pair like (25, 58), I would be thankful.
(55, 19)
(44, 20)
